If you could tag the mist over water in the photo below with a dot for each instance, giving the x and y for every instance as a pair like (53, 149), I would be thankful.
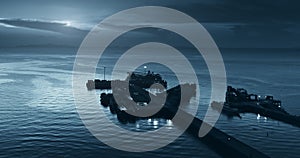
(38, 116)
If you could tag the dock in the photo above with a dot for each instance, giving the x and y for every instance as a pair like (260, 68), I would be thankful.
(222, 143)
(138, 87)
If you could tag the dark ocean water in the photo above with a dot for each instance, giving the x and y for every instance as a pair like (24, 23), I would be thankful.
(38, 116)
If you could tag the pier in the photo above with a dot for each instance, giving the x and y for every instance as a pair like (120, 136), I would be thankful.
(222, 143)
(139, 97)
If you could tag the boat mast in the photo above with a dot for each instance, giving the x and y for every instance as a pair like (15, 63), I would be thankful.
(104, 71)
(145, 69)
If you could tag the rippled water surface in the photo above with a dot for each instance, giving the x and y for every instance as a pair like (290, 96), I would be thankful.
(38, 116)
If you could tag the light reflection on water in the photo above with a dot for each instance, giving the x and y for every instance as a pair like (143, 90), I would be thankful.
(38, 116)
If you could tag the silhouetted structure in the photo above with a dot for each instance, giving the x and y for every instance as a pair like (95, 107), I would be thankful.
(141, 97)
(239, 101)
(239, 96)
(144, 80)
(219, 141)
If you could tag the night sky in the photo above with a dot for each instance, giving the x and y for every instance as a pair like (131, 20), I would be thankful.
(233, 24)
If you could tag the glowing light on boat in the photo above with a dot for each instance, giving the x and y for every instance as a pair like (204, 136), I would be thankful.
(258, 116)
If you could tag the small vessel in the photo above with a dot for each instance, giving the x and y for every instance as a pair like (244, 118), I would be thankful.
(251, 103)
(98, 84)
(239, 97)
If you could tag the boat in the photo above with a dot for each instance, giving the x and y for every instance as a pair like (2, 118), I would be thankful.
(173, 100)
(238, 98)
(98, 84)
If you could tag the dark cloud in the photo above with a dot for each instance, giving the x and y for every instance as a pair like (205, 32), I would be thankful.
(232, 23)
(244, 11)
(33, 33)
(204, 10)
(44, 25)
